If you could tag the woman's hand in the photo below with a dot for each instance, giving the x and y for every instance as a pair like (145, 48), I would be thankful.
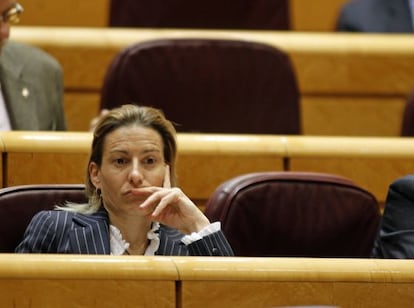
(171, 207)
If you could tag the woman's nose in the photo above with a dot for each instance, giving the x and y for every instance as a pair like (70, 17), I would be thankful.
(135, 174)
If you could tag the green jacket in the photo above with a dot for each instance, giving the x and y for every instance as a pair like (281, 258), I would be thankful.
(32, 86)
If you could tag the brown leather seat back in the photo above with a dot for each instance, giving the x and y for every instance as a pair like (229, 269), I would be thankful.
(407, 129)
(208, 85)
(212, 14)
(18, 204)
(295, 214)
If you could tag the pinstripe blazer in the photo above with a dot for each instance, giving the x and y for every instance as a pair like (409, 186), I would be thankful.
(68, 232)
(395, 237)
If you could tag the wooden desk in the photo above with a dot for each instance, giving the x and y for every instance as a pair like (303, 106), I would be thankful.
(43, 157)
(351, 85)
(65, 13)
(372, 163)
(35, 280)
(206, 160)
(317, 15)
(283, 282)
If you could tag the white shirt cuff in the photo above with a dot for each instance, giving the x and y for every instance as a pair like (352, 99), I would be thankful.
(196, 236)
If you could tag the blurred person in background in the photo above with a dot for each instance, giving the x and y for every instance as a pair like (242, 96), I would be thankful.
(31, 81)
(382, 16)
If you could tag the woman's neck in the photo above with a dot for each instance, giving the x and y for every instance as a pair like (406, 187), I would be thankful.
(134, 231)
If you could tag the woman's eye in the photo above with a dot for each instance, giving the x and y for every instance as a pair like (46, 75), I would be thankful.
(119, 161)
(150, 161)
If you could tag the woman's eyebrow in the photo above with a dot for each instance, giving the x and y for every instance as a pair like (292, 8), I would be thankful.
(151, 150)
(118, 151)
(144, 151)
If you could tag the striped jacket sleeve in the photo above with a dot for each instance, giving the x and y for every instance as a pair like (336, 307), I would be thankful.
(214, 244)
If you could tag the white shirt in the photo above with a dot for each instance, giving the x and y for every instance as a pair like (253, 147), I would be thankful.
(4, 115)
(119, 245)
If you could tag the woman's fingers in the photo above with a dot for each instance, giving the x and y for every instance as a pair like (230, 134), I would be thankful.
(173, 208)
(165, 201)
(169, 199)
(167, 180)
(156, 194)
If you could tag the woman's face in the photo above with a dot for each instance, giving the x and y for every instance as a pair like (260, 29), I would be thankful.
(133, 157)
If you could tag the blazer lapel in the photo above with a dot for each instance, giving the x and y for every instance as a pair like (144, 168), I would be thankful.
(18, 93)
(91, 236)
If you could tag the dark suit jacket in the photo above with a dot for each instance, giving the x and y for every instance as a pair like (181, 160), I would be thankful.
(375, 16)
(32, 85)
(68, 232)
(396, 234)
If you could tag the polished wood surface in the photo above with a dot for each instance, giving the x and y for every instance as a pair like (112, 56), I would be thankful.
(317, 15)
(104, 267)
(349, 147)
(282, 282)
(294, 269)
(350, 84)
(353, 115)
(354, 52)
(372, 163)
(36, 280)
(206, 160)
(45, 158)
(48, 142)
(70, 13)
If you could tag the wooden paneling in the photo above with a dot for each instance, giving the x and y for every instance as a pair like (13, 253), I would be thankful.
(315, 15)
(351, 85)
(352, 116)
(45, 168)
(336, 63)
(69, 293)
(282, 282)
(206, 160)
(36, 280)
(372, 163)
(373, 174)
(199, 175)
(245, 294)
(71, 13)
(86, 281)
(235, 294)
(80, 108)
(305, 15)
(45, 158)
